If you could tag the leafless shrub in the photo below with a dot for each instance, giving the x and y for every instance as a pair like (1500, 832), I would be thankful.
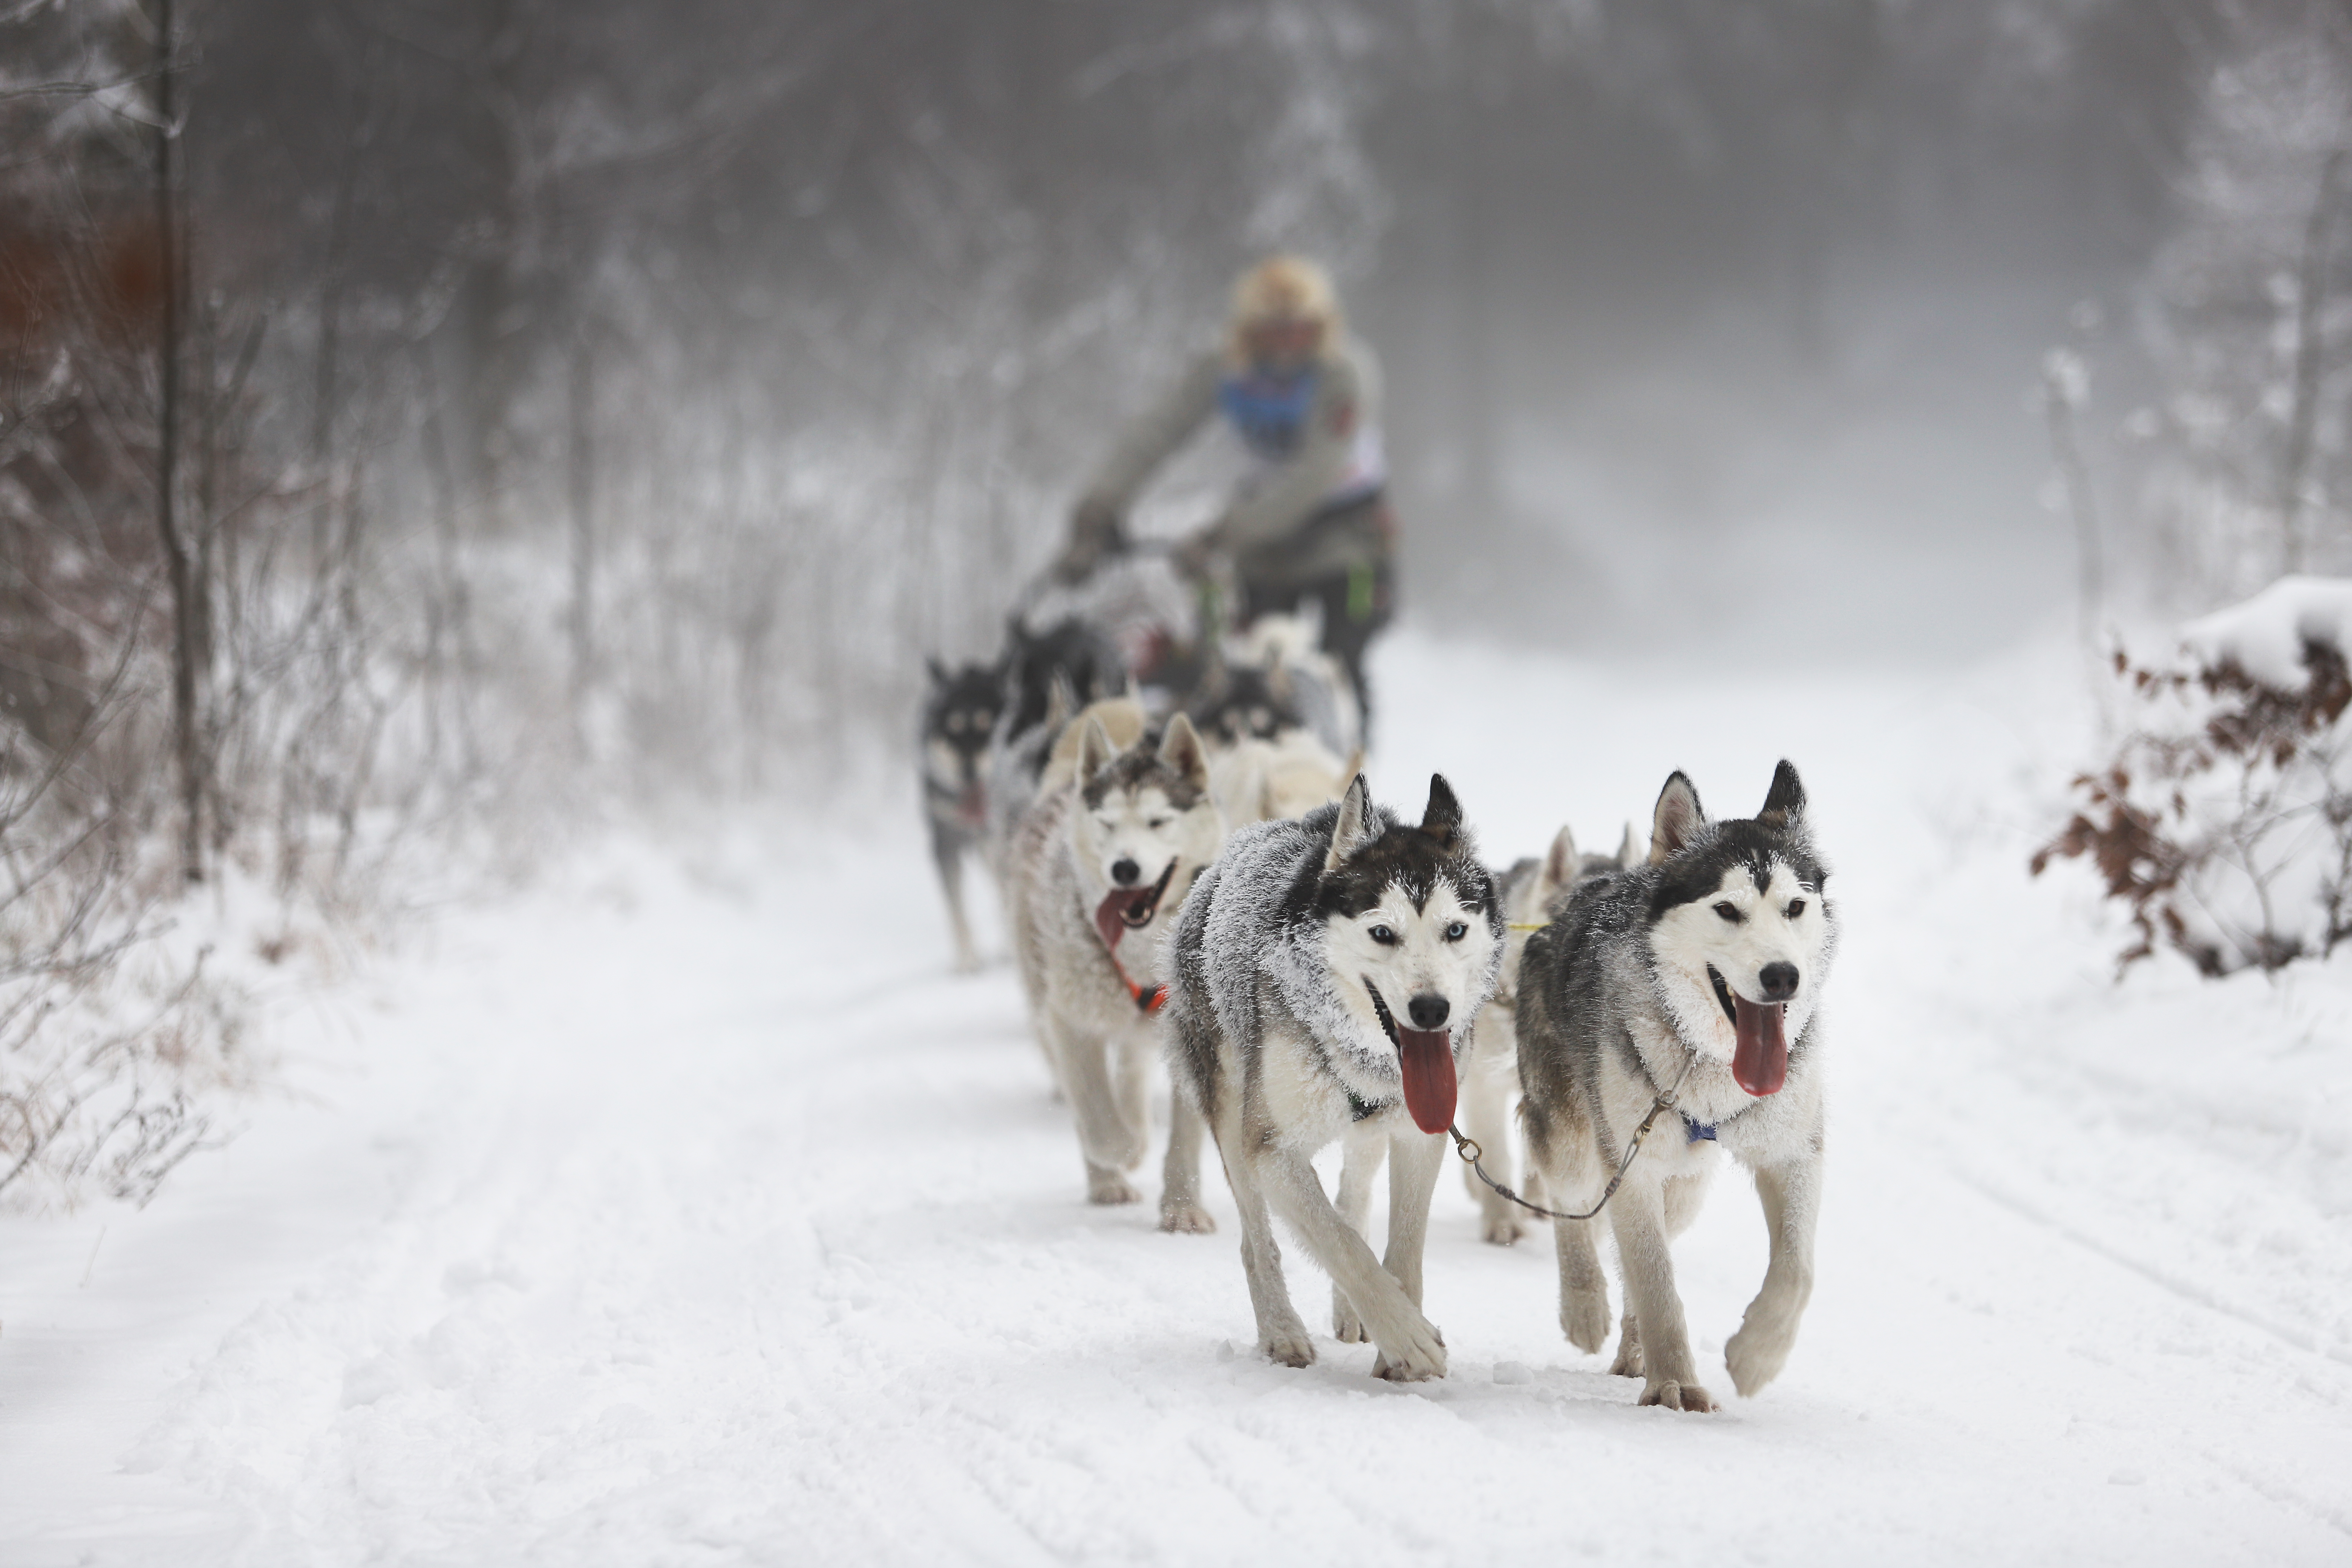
(2223, 822)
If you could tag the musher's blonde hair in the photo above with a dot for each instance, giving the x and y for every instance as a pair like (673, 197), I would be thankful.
(1281, 288)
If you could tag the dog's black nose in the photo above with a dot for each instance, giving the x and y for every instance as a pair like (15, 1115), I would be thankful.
(1125, 872)
(1428, 1012)
(1780, 982)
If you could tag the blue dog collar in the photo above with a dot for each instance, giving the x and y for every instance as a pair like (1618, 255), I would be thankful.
(1696, 1130)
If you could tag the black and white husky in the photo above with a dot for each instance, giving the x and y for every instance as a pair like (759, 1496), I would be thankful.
(958, 718)
(1048, 677)
(1094, 879)
(1698, 975)
(1326, 977)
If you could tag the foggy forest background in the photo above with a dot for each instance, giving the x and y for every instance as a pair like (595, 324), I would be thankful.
(425, 426)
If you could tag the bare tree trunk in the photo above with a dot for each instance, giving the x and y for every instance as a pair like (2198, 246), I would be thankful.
(2065, 385)
(179, 570)
(581, 485)
(331, 316)
(2310, 355)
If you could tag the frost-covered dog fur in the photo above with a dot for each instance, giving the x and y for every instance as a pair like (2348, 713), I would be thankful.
(1327, 975)
(1490, 1087)
(1710, 957)
(1109, 857)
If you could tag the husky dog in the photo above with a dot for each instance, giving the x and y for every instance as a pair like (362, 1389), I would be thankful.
(1123, 722)
(1049, 676)
(1311, 683)
(1327, 973)
(1096, 875)
(1236, 702)
(1491, 1086)
(958, 717)
(1702, 969)
(1289, 776)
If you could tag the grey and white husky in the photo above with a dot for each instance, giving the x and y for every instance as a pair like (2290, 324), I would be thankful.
(1096, 874)
(1699, 975)
(958, 717)
(1490, 1087)
(1326, 974)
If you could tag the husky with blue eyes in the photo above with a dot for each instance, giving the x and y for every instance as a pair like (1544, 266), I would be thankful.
(1327, 973)
(1698, 976)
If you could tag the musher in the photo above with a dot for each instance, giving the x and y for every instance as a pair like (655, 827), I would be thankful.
(1311, 522)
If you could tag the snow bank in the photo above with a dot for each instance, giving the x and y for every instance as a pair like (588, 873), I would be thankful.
(2264, 636)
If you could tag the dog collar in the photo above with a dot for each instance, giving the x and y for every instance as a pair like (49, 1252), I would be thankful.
(1360, 1109)
(1696, 1130)
(1147, 1002)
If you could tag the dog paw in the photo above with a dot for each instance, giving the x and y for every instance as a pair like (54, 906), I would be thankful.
(1345, 1326)
(1182, 1216)
(1584, 1318)
(1628, 1361)
(1502, 1230)
(1755, 1359)
(1418, 1356)
(1110, 1187)
(1678, 1396)
(1288, 1347)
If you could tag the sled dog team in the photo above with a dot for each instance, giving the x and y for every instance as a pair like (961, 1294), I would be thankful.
(1222, 893)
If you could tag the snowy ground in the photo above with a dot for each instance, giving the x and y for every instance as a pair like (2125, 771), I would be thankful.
(691, 1212)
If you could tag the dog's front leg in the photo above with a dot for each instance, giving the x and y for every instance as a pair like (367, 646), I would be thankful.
(1486, 1118)
(1561, 1166)
(1108, 1144)
(1362, 1153)
(1180, 1175)
(947, 854)
(1791, 1197)
(1416, 1160)
(1280, 1335)
(1411, 1348)
(1669, 1376)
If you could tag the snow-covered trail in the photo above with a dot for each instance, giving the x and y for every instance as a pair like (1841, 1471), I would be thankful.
(693, 1213)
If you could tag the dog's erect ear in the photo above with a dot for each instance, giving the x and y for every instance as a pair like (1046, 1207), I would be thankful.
(1676, 820)
(1785, 801)
(1348, 835)
(1095, 750)
(1180, 749)
(1558, 866)
(1442, 817)
(1629, 849)
(940, 676)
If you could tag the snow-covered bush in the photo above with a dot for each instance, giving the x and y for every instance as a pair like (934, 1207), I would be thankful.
(2224, 820)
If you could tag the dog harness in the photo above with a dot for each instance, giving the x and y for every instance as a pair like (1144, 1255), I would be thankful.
(1147, 1003)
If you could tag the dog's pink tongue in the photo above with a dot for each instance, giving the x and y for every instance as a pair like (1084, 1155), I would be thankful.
(1110, 915)
(1761, 1060)
(1427, 1058)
